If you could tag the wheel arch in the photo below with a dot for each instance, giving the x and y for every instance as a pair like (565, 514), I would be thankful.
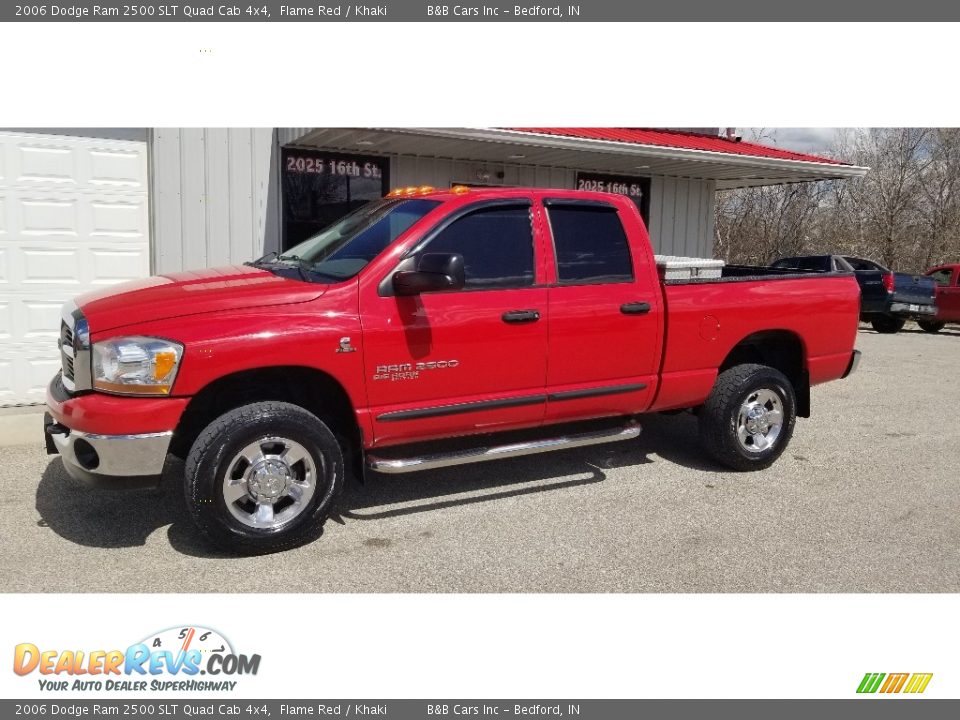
(783, 350)
(314, 390)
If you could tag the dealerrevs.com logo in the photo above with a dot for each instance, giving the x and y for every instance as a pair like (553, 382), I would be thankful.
(173, 659)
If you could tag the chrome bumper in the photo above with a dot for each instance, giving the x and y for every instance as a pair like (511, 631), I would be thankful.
(110, 459)
(913, 309)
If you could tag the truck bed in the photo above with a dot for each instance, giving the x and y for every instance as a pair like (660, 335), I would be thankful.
(706, 319)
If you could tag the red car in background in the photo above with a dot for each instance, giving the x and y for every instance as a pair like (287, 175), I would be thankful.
(947, 278)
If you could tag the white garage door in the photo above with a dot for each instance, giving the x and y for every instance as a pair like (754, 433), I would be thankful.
(73, 217)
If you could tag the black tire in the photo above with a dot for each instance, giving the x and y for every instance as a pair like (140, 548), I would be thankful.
(216, 450)
(930, 326)
(720, 416)
(888, 324)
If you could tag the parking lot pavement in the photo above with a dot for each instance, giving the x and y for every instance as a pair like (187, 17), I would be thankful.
(866, 498)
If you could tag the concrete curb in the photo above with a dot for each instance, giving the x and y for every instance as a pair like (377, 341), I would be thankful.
(21, 426)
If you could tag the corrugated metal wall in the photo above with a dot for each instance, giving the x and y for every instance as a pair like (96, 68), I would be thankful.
(214, 196)
(682, 216)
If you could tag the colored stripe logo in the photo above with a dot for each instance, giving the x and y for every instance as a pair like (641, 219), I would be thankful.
(914, 683)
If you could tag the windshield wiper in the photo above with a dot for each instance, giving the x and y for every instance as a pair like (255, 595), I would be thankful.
(262, 260)
(304, 266)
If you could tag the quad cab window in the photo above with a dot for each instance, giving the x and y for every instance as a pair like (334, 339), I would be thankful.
(496, 243)
(590, 244)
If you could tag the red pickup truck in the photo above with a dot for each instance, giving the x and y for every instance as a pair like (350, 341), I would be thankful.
(947, 278)
(427, 329)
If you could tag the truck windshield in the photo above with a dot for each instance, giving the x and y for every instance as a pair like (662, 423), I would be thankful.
(342, 250)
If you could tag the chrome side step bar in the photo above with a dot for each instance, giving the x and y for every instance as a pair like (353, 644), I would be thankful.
(499, 452)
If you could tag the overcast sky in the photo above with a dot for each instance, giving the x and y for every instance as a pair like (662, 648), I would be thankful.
(808, 140)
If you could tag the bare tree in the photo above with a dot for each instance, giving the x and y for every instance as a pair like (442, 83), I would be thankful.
(904, 213)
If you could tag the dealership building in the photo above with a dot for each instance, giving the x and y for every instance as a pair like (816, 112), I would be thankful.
(82, 208)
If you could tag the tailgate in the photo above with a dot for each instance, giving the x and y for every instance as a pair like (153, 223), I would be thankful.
(914, 289)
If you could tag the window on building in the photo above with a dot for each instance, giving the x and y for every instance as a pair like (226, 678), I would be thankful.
(496, 244)
(590, 244)
(319, 188)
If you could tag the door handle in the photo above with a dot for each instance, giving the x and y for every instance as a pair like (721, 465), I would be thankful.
(635, 308)
(521, 316)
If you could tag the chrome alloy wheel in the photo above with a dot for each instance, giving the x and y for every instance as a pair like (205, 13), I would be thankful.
(760, 421)
(269, 483)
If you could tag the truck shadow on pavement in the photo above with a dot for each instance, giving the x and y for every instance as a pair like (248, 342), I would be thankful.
(119, 519)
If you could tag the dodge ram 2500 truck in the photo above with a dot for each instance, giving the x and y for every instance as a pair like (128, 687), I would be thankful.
(427, 329)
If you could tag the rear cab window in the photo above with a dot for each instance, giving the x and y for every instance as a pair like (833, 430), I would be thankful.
(942, 277)
(589, 243)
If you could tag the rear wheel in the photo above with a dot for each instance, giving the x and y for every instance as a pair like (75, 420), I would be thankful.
(930, 326)
(262, 478)
(888, 324)
(748, 419)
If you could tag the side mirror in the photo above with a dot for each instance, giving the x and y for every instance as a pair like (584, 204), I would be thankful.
(435, 272)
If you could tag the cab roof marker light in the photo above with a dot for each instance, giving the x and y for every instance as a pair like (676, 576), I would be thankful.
(424, 190)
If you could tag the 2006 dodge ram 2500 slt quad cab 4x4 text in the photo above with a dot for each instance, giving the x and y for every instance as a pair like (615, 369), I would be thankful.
(427, 329)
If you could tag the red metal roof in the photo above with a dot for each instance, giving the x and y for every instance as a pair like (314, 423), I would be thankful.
(679, 139)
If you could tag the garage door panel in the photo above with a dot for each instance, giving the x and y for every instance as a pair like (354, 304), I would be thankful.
(6, 320)
(118, 219)
(73, 217)
(113, 266)
(41, 320)
(8, 395)
(51, 266)
(32, 318)
(25, 373)
(117, 168)
(48, 217)
(77, 164)
(46, 162)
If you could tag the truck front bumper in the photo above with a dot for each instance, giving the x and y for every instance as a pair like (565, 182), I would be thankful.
(108, 460)
(110, 441)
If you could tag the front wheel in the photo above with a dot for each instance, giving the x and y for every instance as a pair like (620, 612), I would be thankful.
(930, 326)
(748, 420)
(262, 478)
(888, 324)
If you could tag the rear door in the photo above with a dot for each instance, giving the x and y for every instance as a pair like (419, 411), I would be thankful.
(474, 360)
(605, 312)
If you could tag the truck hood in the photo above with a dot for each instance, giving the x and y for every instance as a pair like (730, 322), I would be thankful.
(191, 293)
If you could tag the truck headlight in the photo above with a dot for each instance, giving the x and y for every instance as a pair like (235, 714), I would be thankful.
(136, 365)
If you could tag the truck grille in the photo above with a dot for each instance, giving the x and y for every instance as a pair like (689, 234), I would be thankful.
(74, 345)
(66, 349)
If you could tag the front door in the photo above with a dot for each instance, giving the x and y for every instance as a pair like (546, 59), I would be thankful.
(468, 361)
